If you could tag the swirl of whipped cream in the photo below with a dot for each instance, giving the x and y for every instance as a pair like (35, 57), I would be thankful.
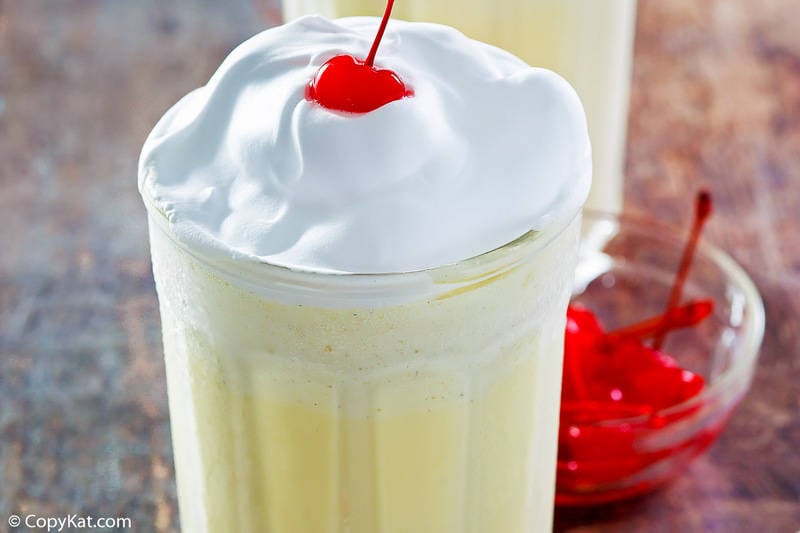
(487, 149)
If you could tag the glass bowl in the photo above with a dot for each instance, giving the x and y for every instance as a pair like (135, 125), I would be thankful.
(626, 269)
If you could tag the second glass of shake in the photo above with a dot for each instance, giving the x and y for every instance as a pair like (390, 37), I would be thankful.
(363, 307)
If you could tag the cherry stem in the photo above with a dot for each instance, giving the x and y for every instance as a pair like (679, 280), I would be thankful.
(703, 209)
(374, 50)
(682, 316)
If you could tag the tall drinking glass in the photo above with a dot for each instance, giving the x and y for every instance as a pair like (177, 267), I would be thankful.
(589, 42)
(423, 402)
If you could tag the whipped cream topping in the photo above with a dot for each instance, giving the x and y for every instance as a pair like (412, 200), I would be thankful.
(487, 149)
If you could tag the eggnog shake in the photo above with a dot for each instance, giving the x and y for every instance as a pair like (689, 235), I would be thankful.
(363, 311)
(589, 42)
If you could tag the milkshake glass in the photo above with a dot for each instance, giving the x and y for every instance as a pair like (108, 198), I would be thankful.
(324, 403)
(363, 313)
(589, 42)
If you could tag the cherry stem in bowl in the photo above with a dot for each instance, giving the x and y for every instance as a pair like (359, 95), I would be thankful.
(703, 209)
(682, 316)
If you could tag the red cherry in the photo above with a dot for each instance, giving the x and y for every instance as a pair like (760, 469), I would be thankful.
(345, 83)
(581, 321)
(617, 368)
(591, 454)
(634, 373)
(584, 335)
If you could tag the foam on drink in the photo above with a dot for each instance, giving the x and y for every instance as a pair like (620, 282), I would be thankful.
(487, 149)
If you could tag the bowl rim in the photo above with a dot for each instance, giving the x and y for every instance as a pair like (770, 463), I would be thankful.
(753, 323)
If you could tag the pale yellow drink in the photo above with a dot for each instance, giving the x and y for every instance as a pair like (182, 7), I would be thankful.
(407, 403)
(589, 42)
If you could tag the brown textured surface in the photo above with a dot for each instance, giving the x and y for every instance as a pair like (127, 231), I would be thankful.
(83, 417)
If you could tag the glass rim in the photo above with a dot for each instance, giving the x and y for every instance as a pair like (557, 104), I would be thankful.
(753, 325)
(255, 274)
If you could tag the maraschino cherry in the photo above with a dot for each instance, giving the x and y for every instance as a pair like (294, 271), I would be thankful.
(619, 375)
(346, 83)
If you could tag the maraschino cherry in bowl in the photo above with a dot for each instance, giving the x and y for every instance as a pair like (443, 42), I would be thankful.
(656, 361)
